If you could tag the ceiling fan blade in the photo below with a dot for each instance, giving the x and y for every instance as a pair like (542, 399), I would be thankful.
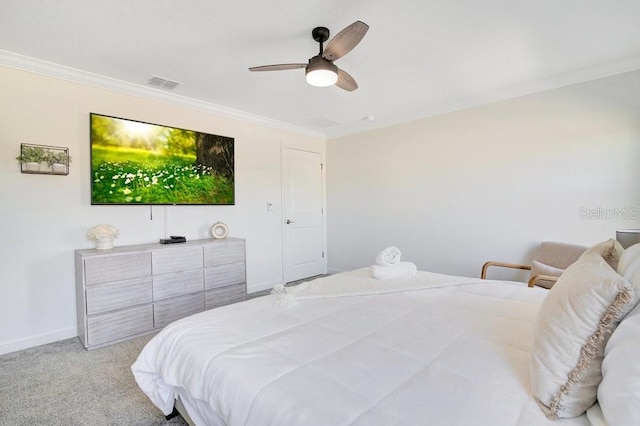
(345, 81)
(278, 67)
(345, 40)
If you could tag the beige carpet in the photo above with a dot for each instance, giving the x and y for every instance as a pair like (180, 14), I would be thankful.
(63, 384)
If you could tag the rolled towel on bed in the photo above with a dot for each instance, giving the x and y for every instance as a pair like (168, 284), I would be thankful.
(402, 270)
(388, 256)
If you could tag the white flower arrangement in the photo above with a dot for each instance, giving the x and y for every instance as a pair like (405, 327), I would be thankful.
(102, 232)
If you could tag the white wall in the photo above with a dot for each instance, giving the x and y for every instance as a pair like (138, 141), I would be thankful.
(450, 191)
(490, 182)
(44, 218)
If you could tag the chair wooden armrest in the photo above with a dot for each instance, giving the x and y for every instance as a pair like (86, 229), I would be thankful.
(483, 275)
(535, 278)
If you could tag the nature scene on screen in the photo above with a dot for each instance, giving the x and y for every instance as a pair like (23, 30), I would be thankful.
(140, 163)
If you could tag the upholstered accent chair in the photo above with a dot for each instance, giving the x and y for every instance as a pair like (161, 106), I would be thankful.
(550, 261)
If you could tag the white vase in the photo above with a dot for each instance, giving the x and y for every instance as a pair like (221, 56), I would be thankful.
(45, 167)
(104, 244)
(59, 168)
(32, 166)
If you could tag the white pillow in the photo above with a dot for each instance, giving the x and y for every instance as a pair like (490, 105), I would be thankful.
(610, 250)
(629, 265)
(619, 392)
(572, 327)
(595, 416)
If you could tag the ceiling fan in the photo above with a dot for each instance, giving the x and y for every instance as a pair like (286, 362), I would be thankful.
(320, 71)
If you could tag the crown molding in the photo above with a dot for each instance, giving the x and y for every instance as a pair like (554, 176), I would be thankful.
(62, 72)
(38, 66)
(552, 82)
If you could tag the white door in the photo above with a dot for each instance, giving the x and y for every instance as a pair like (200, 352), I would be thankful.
(302, 214)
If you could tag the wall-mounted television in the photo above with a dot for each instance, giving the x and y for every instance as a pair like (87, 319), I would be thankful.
(134, 162)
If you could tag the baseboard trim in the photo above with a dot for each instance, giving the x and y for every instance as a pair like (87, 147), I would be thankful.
(334, 271)
(263, 286)
(42, 339)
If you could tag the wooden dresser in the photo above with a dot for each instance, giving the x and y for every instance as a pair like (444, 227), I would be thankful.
(132, 290)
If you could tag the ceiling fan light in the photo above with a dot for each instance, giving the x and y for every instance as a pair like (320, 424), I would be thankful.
(321, 73)
(321, 78)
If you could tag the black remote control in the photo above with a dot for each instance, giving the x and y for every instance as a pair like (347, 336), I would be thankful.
(173, 240)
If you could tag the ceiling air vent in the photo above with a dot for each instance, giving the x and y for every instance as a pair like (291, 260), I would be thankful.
(162, 83)
(323, 123)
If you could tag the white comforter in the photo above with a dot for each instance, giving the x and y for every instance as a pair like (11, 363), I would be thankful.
(439, 354)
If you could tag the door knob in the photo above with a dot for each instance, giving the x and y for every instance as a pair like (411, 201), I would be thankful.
(289, 221)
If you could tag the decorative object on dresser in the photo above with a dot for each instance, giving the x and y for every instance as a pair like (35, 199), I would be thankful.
(103, 235)
(628, 237)
(219, 230)
(133, 290)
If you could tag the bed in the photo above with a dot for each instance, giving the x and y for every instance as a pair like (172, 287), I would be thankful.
(350, 350)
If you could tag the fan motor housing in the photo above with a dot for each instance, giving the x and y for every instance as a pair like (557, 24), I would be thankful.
(320, 63)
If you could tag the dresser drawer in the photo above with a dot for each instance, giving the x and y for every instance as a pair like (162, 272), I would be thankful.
(176, 259)
(168, 311)
(169, 285)
(224, 252)
(223, 275)
(119, 324)
(100, 269)
(116, 295)
(224, 295)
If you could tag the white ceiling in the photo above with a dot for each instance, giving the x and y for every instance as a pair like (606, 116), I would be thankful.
(419, 58)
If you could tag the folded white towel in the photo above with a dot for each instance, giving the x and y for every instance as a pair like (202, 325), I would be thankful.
(402, 270)
(388, 256)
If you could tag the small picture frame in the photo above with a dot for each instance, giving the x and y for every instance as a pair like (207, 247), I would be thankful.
(44, 159)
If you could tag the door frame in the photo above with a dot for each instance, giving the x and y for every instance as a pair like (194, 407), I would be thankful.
(323, 190)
